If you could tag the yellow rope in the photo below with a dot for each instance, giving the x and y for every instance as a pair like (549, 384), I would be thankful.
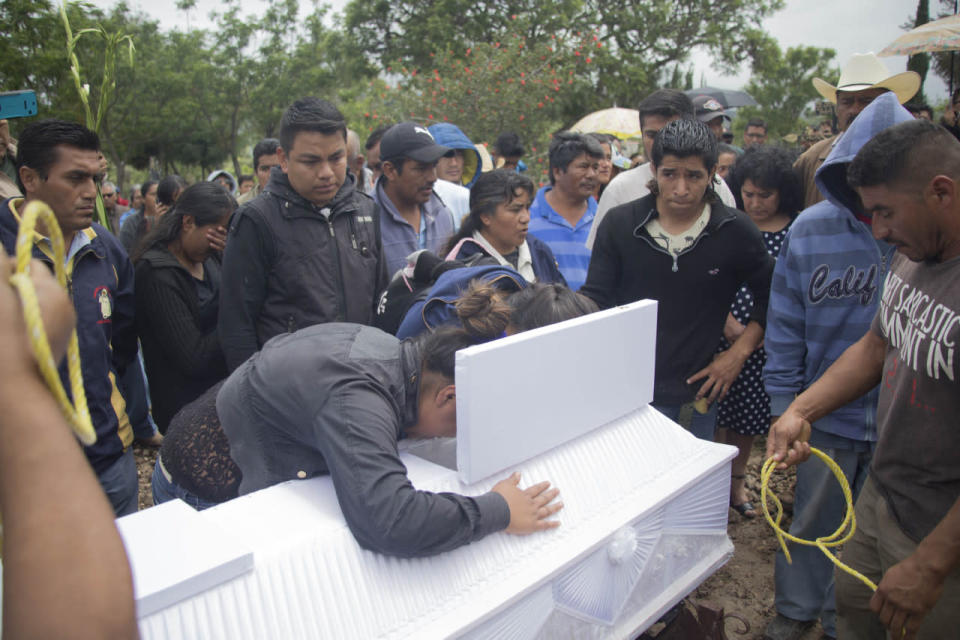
(835, 539)
(77, 414)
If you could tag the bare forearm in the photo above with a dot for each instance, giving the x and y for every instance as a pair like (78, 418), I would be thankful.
(65, 571)
(854, 373)
(749, 340)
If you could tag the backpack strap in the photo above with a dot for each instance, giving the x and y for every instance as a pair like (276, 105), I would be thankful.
(456, 248)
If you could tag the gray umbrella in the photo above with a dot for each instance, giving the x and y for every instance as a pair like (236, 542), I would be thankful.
(726, 97)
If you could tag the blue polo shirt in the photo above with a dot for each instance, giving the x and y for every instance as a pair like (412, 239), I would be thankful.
(567, 243)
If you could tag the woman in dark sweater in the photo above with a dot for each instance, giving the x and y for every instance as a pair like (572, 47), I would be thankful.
(177, 290)
(497, 227)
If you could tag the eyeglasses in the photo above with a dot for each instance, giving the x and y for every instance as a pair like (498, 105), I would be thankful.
(109, 195)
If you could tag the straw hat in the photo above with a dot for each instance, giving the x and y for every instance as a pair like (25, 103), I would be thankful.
(865, 71)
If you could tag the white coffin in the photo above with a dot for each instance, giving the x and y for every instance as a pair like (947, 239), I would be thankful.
(644, 520)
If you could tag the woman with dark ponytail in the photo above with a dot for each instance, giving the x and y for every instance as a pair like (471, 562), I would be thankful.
(497, 227)
(457, 301)
(177, 289)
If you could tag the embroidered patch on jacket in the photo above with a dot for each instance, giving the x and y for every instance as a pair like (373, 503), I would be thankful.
(102, 295)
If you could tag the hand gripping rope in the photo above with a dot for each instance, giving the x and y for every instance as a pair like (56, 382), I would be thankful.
(77, 414)
(835, 539)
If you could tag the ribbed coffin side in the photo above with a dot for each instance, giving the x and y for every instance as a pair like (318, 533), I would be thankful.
(652, 595)
(328, 587)
(597, 587)
(677, 565)
(521, 621)
(702, 506)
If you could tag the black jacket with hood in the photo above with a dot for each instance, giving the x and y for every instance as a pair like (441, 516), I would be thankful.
(290, 264)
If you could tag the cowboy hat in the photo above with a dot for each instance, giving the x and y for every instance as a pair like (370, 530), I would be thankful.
(865, 71)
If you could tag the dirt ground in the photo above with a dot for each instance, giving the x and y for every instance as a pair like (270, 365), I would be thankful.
(146, 457)
(743, 586)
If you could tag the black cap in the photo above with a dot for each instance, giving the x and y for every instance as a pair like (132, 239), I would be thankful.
(411, 140)
(707, 109)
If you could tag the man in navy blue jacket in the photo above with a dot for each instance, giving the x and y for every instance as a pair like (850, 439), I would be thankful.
(57, 163)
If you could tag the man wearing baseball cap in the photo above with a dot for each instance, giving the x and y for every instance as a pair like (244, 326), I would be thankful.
(863, 78)
(413, 217)
(710, 112)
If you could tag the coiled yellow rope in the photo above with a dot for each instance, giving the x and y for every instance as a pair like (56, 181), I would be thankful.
(835, 539)
(77, 414)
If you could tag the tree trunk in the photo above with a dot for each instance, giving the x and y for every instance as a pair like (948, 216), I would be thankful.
(920, 62)
(233, 143)
(118, 165)
(121, 175)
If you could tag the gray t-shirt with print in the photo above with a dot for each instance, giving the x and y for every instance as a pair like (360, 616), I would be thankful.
(917, 460)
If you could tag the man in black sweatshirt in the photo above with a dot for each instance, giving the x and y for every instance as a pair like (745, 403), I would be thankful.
(681, 246)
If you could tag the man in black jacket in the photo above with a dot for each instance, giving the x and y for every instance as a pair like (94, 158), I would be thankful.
(308, 250)
(681, 246)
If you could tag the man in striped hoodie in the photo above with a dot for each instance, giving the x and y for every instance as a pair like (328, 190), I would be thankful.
(823, 298)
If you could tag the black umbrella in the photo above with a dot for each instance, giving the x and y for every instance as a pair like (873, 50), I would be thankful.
(727, 97)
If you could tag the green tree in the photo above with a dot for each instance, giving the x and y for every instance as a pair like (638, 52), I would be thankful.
(637, 48)
(232, 56)
(946, 64)
(498, 86)
(33, 55)
(920, 62)
(320, 61)
(782, 85)
(260, 64)
(166, 115)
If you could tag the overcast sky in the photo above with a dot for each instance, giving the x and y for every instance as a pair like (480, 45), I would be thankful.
(847, 26)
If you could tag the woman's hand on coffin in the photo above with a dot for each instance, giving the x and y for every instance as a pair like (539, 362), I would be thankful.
(530, 507)
(789, 439)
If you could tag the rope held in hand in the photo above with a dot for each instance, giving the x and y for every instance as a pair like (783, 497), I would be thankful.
(77, 414)
(835, 539)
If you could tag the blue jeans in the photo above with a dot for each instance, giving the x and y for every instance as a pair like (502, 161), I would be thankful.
(119, 481)
(164, 489)
(702, 425)
(804, 589)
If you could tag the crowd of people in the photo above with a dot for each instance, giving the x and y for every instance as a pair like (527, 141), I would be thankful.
(302, 319)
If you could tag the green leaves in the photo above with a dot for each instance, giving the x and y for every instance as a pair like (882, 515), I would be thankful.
(782, 85)
(181, 101)
(639, 46)
(110, 42)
